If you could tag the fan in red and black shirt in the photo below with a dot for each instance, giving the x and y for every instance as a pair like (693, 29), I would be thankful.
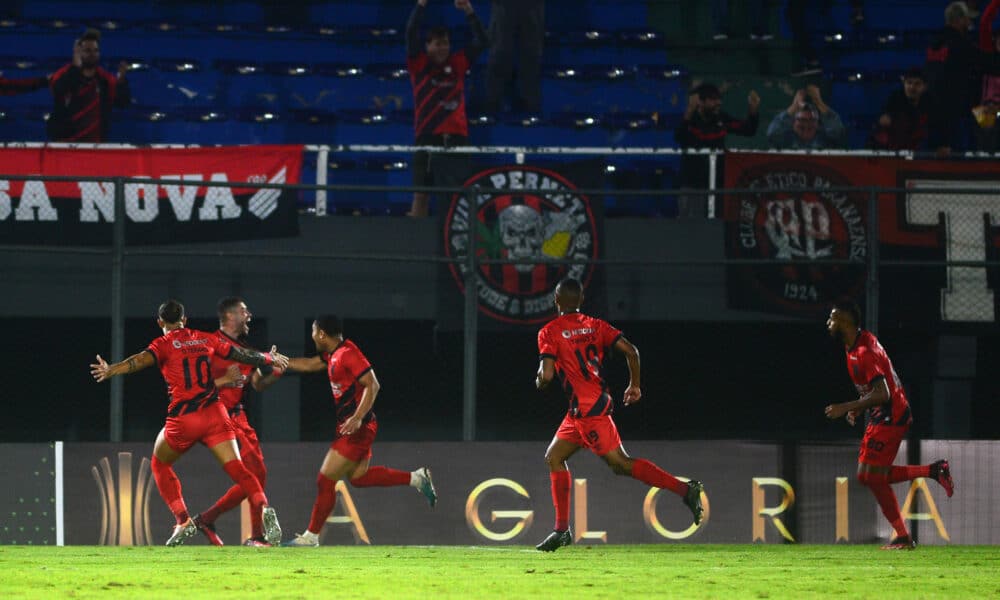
(83, 94)
(232, 377)
(438, 78)
(882, 398)
(22, 85)
(354, 388)
(194, 414)
(571, 349)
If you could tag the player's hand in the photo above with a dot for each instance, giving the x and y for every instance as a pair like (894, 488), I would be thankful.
(852, 417)
(100, 370)
(278, 359)
(835, 411)
(351, 425)
(632, 394)
(232, 378)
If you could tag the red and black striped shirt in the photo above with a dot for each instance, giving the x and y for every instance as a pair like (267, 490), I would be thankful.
(82, 105)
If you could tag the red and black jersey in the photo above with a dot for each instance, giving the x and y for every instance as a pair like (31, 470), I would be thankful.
(868, 361)
(231, 397)
(578, 344)
(9, 87)
(439, 90)
(81, 110)
(185, 360)
(345, 366)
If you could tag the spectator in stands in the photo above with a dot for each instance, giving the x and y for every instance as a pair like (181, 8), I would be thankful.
(517, 27)
(22, 85)
(954, 70)
(989, 106)
(807, 124)
(84, 93)
(706, 125)
(438, 78)
(903, 123)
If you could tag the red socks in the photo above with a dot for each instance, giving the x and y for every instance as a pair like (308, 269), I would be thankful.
(908, 473)
(234, 495)
(249, 486)
(381, 477)
(560, 498)
(650, 474)
(170, 489)
(878, 483)
(326, 499)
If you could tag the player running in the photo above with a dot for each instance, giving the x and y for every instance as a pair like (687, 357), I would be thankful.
(234, 327)
(354, 388)
(882, 398)
(572, 347)
(195, 413)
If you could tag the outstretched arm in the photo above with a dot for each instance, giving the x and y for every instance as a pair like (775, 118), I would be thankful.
(102, 371)
(546, 372)
(480, 41)
(257, 359)
(313, 364)
(412, 34)
(634, 391)
(878, 395)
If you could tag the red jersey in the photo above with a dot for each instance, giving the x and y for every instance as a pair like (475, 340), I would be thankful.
(231, 397)
(439, 94)
(345, 366)
(578, 344)
(185, 358)
(866, 361)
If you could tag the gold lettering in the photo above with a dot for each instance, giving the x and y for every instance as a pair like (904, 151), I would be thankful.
(653, 522)
(580, 514)
(932, 515)
(525, 517)
(350, 516)
(760, 511)
(843, 524)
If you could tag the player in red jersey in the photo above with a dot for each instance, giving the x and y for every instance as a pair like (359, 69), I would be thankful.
(882, 398)
(571, 348)
(234, 326)
(354, 388)
(194, 414)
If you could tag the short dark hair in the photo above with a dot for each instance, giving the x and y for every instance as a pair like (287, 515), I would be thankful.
(707, 91)
(571, 285)
(91, 34)
(850, 307)
(436, 33)
(330, 324)
(171, 311)
(227, 304)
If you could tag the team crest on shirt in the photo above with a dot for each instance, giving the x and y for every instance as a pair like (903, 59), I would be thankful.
(796, 213)
(533, 215)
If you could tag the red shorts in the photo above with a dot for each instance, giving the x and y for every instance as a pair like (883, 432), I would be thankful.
(210, 426)
(250, 452)
(881, 443)
(599, 434)
(357, 446)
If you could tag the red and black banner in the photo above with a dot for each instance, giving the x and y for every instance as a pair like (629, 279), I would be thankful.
(792, 210)
(182, 209)
(522, 212)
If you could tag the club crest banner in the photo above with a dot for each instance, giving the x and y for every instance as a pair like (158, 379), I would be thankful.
(182, 209)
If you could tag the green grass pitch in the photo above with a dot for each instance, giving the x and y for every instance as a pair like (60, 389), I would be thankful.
(582, 571)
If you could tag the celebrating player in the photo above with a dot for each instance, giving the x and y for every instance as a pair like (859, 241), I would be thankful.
(881, 396)
(195, 413)
(234, 327)
(572, 347)
(354, 388)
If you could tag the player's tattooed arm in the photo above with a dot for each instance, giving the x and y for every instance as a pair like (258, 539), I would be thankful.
(257, 359)
(102, 371)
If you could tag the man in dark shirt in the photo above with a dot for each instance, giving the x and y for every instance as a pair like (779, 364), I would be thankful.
(83, 94)
(706, 125)
(903, 123)
(438, 78)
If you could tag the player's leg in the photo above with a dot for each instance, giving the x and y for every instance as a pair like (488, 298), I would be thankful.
(878, 451)
(335, 467)
(165, 454)
(253, 460)
(380, 476)
(939, 471)
(262, 516)
(564, 444)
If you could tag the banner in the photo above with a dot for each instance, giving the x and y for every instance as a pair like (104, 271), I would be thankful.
(532, 212)
(82, 212)
(914, 225)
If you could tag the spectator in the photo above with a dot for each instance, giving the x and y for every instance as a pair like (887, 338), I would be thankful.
(807, 124)
(22, 85)
(438, 78)
(903, 123)
(706, 125)
(84, 93)
(516, 27)
(954, 81)
(989, 106)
